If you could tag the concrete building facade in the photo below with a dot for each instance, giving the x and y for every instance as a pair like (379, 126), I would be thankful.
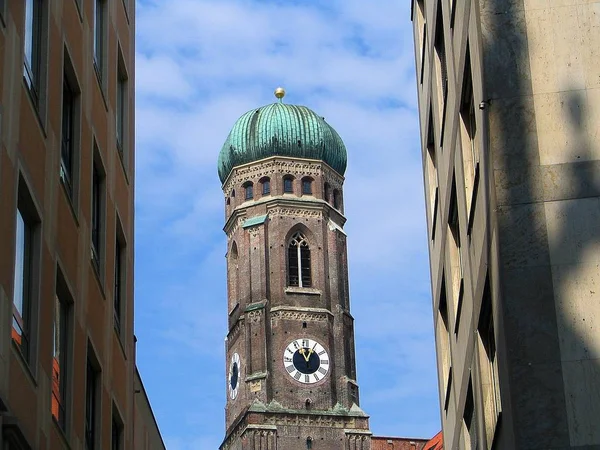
(290, 362)
(67, 348)
(509, 105)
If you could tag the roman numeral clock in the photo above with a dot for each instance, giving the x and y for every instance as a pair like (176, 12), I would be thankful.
(291, 373)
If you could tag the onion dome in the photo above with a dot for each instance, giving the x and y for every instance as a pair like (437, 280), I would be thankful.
(280, 129)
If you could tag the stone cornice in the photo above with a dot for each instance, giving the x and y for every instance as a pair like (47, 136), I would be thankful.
(281, 164)
(285, 205)
(300, 313)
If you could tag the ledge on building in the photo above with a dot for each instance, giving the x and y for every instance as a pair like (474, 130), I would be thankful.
(302, 290)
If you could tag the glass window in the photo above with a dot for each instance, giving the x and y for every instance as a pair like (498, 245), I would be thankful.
(299, 261)
(98, 35)
(91, 399)
(21, 294)
(32, 47)
(288, 185)
(68, 114)
(336, 199)
(307, 186)
(121, 107)
(266, 186)
(97, 215)
(59, 362)
(249, 189)
(117, 431)
(118, 288)
(327, 193)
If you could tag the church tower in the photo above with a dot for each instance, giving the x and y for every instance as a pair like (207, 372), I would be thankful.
(291, 372)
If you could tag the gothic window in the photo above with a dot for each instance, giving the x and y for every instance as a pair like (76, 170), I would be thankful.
(249, 191)
(288, 184)
(307, 186)
(233, 276)
(299, 261)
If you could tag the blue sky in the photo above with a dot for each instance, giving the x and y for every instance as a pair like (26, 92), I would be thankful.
(200, 64)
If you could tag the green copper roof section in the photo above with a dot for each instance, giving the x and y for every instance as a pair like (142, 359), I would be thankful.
(254, 221)
(280, 129)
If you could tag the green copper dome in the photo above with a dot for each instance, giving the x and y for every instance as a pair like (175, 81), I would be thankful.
(280, 129)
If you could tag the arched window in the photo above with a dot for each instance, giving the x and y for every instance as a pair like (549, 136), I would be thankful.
(233, 193)
(288, 184)
(336, 199)
(233, 276)
(327, 193)
(307, 186)
(249, 191)
(266, 185)
(299, 261)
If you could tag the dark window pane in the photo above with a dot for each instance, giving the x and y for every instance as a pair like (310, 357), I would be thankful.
(116, 435)
(21, 291)
(293, 279)
(120, 114)
(96, 214)
(32, 46)
(90, 407)
(327, 193)
(249, 192)
(305, 265)
(98, 35)
(118, 287)
(266, 187)
(288, 185)
(306, 187)
(66, 162)
(59, 362)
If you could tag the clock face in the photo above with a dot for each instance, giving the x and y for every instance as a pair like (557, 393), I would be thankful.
(234, 376)
(306, 360)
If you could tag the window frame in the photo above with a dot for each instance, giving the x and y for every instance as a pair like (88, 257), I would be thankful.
(307, 186)
(337, 199)
(299, 273)
(119, 282)
(288, 184)
(28, 209)
(248, 191)
(99, 39)
(92, 402)
(62, 365)
(266, 186)
(32, 57)
(98, 213)
(22, 306)
(327, 192)
(116, 439)
(67, 138)
(122, 107)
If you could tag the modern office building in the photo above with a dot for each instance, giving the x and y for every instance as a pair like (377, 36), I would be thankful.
(509, 105)
(67, 349)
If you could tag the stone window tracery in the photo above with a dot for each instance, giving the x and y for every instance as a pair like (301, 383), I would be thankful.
(299, 273)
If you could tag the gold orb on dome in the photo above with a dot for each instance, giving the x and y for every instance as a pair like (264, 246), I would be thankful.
(279, 93)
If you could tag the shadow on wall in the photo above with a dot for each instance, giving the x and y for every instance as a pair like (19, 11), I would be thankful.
(546, 182)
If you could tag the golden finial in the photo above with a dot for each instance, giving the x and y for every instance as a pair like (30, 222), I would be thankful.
(280, 93)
